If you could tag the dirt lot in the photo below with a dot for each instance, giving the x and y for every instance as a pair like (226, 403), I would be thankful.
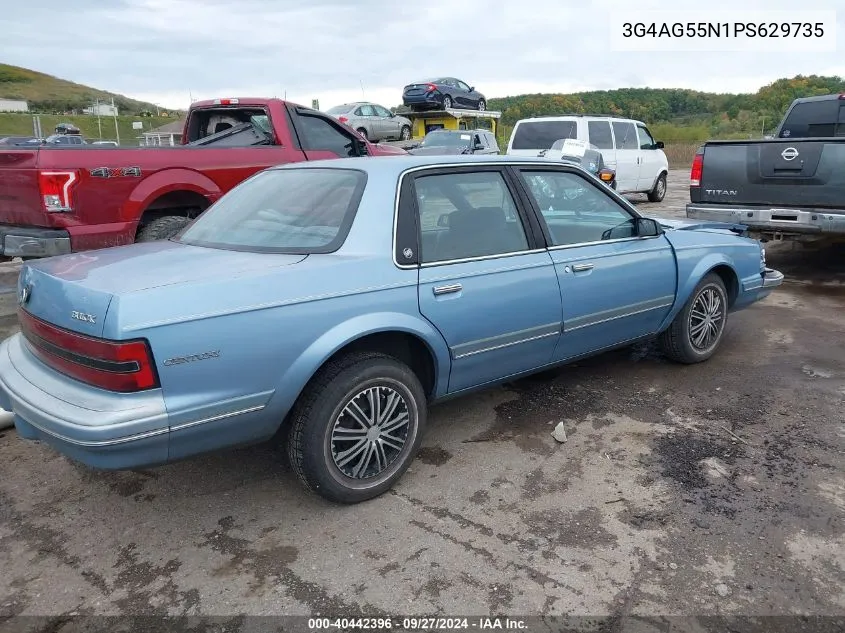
(717, 489)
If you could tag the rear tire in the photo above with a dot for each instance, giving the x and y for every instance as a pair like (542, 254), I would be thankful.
(447, 102)
(405, 134)
(482, 105)
(659, 191)
(697, 331)
(162, 228)
(363, 132)
(357, 427)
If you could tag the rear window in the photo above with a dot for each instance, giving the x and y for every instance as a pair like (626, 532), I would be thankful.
(814, 119)
(542, 134)
(282, 211)
(339, 109)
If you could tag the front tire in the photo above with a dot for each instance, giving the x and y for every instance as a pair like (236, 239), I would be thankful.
(697, 331)
(659, 191)
(357, 427)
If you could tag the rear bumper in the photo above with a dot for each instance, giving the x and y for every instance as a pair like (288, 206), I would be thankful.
(428, 99)
(774, 220)
(21, 241)
(98, 428)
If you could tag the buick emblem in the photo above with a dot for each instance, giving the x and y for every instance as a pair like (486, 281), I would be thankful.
(790, 153)
(408, 253)
(23, 295)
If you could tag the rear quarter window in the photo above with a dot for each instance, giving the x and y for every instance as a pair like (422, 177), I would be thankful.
(542, 134)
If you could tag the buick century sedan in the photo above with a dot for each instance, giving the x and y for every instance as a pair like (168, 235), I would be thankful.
(328, 303)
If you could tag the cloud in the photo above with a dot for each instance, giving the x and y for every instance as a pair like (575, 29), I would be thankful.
(164, 50)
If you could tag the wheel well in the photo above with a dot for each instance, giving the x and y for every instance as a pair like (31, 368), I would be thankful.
(402, 346)
(729, 278)
(187, 204)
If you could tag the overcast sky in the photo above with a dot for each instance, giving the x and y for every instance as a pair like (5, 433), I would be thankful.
(162, 51)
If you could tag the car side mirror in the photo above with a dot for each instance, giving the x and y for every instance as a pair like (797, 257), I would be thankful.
(647, 227)
(472, 88)
(659, 145)
(478, 146)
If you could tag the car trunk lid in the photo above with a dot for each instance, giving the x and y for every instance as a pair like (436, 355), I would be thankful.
(772, 173)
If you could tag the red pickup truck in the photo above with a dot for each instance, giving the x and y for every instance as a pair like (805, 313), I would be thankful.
(56, 200)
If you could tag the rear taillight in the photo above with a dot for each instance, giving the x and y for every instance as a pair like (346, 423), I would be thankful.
(697, 168)
(56, 189)
(123, 366)
(226, 102)
(430, 87)
(343, 119)
(842, 95)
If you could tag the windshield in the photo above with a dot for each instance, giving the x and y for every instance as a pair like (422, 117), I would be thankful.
(542, 134)
(446, 139)
(282, 211)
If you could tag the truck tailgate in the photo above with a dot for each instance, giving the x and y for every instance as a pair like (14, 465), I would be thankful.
(20, 199)
(773, 173)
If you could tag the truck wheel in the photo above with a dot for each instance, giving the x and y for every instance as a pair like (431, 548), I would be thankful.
(162, 228)
(696, 332)
(659, 192)
(357, 427)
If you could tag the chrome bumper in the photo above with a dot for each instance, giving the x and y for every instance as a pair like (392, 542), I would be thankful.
(20, 241)
(774, 220)
(772, 278)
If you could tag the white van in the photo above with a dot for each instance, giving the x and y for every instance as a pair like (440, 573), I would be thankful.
(626, 145)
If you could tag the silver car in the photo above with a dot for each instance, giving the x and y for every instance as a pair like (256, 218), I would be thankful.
(375, 122)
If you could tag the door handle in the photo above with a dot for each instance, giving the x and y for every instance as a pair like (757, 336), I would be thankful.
(579, 268)
(445, 290)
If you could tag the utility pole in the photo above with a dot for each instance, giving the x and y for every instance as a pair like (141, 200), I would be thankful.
(763, 127)
(114, 112)
(99, 123)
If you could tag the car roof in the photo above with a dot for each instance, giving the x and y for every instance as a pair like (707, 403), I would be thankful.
(575, 117)
(395, 165)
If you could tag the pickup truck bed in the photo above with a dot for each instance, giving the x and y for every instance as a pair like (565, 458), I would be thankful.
(56, 200)
(783, 188)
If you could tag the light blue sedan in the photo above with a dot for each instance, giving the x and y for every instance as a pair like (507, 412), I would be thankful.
(328, 303)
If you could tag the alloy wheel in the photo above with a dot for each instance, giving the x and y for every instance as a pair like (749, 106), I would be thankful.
(706, 319)
(370, 432)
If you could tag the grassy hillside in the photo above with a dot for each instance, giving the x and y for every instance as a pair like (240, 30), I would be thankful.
(677, 115)
(21, 125)
(49, 94)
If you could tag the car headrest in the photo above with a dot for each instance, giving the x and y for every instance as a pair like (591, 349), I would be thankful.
(473, 220)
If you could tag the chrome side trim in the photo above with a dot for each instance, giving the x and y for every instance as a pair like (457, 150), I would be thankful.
(98, 443)
(563, 247)
(214, 418)
(482, 258)
(617, 313)
(504, 340)
(140, 436)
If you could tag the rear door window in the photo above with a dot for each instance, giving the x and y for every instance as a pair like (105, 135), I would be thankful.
(600, 136)
(625, 135)
(542, 134)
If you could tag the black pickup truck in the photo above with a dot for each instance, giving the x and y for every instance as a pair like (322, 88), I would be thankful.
(791, 187)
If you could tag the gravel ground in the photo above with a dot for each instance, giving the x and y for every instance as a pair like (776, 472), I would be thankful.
(711, 490)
